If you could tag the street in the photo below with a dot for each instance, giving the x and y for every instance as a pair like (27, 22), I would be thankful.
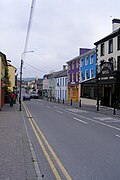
(72, 143)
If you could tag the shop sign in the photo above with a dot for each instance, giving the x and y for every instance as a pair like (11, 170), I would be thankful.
(106, 68)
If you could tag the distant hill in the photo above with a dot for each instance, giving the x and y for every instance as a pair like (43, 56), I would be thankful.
(27, 79)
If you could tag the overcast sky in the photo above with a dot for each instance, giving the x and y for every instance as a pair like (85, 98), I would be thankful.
(59, 28)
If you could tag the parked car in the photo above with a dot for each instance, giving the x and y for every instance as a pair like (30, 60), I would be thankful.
(34, 95)
(26, 97)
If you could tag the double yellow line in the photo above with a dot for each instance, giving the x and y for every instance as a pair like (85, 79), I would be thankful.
(36, 129)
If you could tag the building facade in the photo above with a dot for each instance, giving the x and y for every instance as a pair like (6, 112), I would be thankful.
(108, 67)
(73, 79)
(12, 71)
(3, 64)
(61, 86)
(88, 75)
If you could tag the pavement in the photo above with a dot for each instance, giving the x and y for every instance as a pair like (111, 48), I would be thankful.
(16, 162)
(102, 109)
(16, 158)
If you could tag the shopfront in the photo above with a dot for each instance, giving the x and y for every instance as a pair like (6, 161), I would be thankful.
(108, 84)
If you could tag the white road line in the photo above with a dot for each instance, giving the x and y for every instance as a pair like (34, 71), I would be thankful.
(117, 135)
(107, 125)
(80, 120)
(93, 120)
(59, 111)
(48, 107)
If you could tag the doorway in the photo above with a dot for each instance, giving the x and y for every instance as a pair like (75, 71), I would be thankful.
(107, 96)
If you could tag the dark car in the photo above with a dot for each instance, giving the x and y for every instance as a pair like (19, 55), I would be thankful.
(26, 97)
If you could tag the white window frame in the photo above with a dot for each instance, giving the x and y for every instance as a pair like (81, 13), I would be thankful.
(86, 75)
(91, 59)
(91, 73)
(86, 60)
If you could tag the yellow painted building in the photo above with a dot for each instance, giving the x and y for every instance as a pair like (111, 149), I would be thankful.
(12, 71)
(3, 64)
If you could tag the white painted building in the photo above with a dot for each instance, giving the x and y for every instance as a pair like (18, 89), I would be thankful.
(108, 67)
(108, 48)
(61, 85)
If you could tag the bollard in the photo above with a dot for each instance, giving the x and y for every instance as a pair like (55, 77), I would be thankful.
(97, 105)
(114, 111)
(58, 100)
(71, 102)
(80, 103)
(63, 100)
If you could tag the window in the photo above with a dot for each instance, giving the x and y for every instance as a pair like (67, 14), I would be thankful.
(86, 62)
(102, 49)
(91, 59)
(77, 76)
(82, 76)
(60, 81)
(92, 73)
(118, 43)
(68, 66)
(87, 77)
(81, 64)
(68, 77)
(63, 82)
(72, 65)
(72, 77)
(77, 63)
(110, 46)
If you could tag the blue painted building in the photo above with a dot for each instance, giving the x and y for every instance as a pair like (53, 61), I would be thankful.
(88, 65)
(88, 84)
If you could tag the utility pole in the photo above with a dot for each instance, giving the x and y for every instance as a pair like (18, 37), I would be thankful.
(21, 66)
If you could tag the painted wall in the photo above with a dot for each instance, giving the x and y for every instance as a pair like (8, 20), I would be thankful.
(11, 72)
(87, 67)
(106, 56)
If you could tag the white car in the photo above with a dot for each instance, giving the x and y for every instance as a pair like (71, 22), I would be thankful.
(34, 95)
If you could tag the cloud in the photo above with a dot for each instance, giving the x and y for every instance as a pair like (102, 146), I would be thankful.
(58, 30)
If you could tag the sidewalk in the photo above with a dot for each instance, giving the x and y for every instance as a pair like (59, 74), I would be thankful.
(15, 156)
(102, 109)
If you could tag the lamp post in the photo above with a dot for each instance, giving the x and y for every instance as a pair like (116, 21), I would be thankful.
(21, 67)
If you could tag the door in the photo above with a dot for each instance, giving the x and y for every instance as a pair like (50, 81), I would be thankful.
(107, 96)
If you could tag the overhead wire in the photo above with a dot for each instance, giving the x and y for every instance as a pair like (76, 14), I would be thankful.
(29, 24)
(35, 67)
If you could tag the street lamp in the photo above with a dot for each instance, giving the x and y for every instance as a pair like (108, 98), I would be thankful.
(21, 67)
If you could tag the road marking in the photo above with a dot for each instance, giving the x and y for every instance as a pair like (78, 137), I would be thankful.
(64, 171)
(107, 125)
(42, 146)
(80, 120)
(117, 135)
(76, 110)
(48, 107)
(59, 111)
(107, 119)
(103, 118)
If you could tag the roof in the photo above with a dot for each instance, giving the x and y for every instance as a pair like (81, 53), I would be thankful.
(110, 36)
(74, 59)
(3, 58)
(62, 73)
(57, 74)
(82, 55)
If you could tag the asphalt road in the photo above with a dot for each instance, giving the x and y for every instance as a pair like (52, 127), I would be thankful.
(72, 143)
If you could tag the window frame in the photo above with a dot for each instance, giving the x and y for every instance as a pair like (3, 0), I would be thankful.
(102, 49)
(110, 46)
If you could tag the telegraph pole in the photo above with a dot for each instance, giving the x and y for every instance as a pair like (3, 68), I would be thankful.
(21, 66)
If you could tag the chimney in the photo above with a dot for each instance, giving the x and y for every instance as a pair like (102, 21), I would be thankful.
(64, 67)
(115, 24)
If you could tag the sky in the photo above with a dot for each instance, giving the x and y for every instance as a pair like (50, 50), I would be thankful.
(59, 28)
